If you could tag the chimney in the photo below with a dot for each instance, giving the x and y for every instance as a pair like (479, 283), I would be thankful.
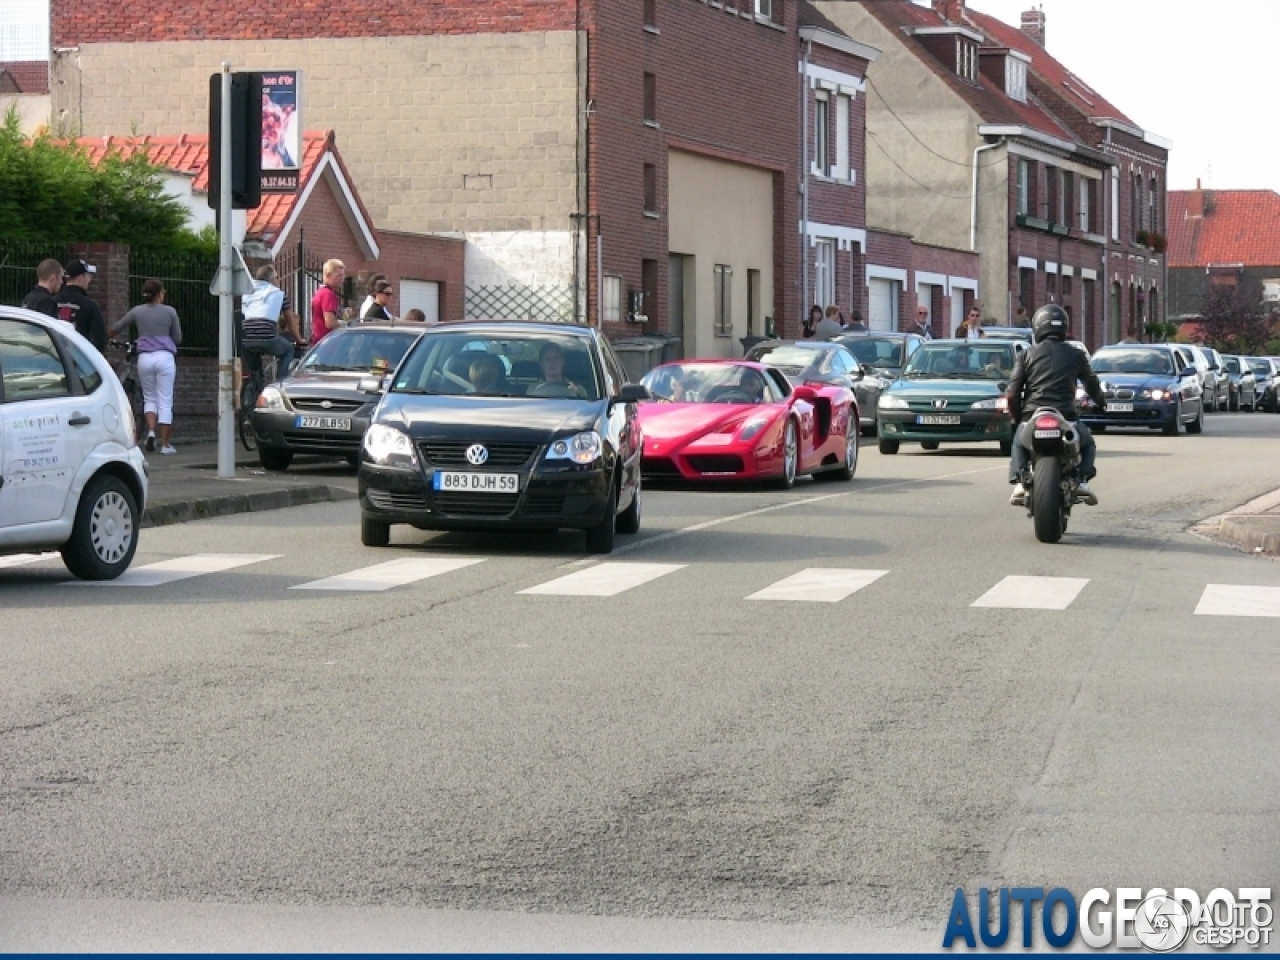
(950, 10)
(1195, 202)
(1033, 24)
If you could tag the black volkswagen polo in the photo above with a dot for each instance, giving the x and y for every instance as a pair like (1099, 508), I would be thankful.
(507, 425)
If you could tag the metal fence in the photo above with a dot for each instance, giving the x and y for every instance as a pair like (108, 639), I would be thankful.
(18, 267)
(186, 288)
(300, 274)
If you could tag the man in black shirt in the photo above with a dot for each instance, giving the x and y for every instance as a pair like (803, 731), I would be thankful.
(48, 282)
(76, 307)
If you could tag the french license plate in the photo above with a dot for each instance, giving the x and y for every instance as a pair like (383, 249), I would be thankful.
(465, 482)
(304, 422)
(1048, 434)
(938, 419)
(1119, 408)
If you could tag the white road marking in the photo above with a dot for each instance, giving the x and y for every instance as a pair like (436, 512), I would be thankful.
(1032, 593)
(1224, 600)
(182, 568)
(393, 573)
(22, 559)
(605, 580)
(819, 585)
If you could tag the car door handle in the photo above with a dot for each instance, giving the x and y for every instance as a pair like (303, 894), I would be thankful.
(79, 421)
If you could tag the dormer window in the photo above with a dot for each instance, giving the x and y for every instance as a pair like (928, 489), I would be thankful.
(1015, 78)
(966, 60)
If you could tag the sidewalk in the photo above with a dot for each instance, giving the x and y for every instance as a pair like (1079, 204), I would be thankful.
(186, 486)
(1254, 526)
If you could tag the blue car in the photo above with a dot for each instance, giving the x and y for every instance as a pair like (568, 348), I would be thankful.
(1146, 385)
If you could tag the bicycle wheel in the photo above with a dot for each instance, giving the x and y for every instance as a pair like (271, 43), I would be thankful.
(244, 418)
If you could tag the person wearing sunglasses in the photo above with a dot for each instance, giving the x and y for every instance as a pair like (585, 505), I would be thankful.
(380, 310)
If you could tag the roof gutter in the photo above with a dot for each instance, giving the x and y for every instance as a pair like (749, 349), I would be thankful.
(1011, 130)
(838, 41)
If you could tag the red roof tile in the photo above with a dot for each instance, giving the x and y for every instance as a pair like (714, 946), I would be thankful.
(1238, 226)
(188, 154)
(24, 76)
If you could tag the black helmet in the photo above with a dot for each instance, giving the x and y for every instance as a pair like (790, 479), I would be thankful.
(1050, 321)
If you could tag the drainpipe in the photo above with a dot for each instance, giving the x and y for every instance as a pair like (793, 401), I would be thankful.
(973, 208)
(804, 199)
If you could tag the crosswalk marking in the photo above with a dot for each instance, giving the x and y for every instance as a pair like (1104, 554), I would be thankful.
(393, 573)
(605, 580)
(1224, 600)
(819, 585)
(1032, 593)
(181, 568)
(22, 559)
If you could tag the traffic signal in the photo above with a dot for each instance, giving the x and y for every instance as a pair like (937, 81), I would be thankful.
(246, 140)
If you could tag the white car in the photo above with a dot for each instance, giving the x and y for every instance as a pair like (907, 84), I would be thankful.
(71, 475)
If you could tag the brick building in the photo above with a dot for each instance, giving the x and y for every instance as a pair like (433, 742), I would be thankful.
(981, 140)
(609, 160)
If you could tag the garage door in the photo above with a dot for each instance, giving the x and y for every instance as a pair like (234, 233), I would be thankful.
(884, 303)
(423, 295)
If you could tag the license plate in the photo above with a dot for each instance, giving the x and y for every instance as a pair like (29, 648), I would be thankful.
(466, 482)
(1119, 408)
(304, 422)
(1048, 434)
(938, 419)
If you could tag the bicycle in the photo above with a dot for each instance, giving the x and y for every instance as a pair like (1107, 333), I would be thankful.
(251, 387)
(127, 373)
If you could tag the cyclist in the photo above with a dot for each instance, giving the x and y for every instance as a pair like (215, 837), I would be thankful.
(266, 314)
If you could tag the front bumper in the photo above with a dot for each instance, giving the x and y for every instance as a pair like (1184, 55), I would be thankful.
(1146, 413)
(550, 497)
(279, 430)
(974, 427)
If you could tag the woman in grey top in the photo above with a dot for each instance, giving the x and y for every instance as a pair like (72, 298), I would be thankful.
(159, 334)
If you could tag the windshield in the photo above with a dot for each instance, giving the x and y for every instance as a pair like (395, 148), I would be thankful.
(492, 365)
(360, 351)
(1232, 364)
(875, 351)
(1261, 367)
(708, 383)
(1133, 361)
(963, 361)
(788, 357)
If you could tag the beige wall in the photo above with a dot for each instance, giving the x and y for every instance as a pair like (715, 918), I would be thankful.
(442, 133)
(720, 213)
(993, 233)
(33, 110)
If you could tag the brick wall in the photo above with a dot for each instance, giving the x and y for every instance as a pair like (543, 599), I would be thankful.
(110, 286)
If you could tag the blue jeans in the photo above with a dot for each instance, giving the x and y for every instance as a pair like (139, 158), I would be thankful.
(1021, 458)
(279, 347)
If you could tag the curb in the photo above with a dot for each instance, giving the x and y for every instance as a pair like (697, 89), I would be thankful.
(183, 511)
(1254, 526)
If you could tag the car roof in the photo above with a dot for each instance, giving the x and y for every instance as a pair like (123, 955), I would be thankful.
(545, 328)
(964, 341)
(815, 344)
(873, 334)
(415, 328)
(1169, 347)
(1008, 333)
(714, 362)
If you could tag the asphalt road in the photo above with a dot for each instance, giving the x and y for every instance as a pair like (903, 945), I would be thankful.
(224, 761)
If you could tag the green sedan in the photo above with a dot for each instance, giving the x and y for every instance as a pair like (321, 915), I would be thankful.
(951, 391)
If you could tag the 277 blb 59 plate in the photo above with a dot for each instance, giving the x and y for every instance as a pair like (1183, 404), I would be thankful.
(304, 422)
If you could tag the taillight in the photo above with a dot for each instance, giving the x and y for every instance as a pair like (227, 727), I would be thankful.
(1046, 423)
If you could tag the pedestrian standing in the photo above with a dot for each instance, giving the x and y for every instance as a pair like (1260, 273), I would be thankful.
(855, 323)
(48, 283)
(326, 305)
(380, 312)
(159, 334)
(76, 307)
(828, 326)
(371, 294)
(922, 323)
(971, 329)
(811, 325)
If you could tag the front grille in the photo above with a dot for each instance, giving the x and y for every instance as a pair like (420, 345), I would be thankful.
(323, 444)
(453, 453)
(1124, 394)
(716, 463)
(658, 467)
(544, 504)
(396, 500)
(460, 504)
(939, 427)
(318, 405)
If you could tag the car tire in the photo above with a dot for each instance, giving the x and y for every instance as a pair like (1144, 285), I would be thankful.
(1233, 403)
(888, 447)
(629, 519)
(275, 460)
(1197, 425)
(1174, 426)
(600, 538)
(374, 533)
(928, 444)
(104, 537)
(1006, 448)
(790, 456)
(843, 471)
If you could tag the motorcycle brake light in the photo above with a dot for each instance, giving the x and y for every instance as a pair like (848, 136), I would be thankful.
(1046, 423)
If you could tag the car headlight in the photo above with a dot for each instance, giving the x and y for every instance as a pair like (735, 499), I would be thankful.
(1157, 394)
(890, 402)
(389, 447)
(270, 399)
(581, 448)
(995, 403)
(753, 427)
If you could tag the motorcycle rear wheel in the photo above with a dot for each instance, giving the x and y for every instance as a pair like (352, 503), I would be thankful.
(1046, 501)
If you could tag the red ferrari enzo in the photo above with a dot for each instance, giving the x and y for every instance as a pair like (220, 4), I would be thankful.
(738, 420)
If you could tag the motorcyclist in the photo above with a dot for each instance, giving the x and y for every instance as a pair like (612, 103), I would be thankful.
(1046, 376)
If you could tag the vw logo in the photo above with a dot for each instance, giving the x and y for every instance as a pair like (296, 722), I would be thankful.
(326, 405)
(939, 404)
(477, 454)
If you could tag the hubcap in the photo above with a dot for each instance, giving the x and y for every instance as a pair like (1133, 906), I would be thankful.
(851, 453)
(790, 464)
(111, 527)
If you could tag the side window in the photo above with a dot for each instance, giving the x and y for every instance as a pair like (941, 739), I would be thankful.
(90, 378)
(780, 382)
(841, 362)
(30, 364)
(614, 374)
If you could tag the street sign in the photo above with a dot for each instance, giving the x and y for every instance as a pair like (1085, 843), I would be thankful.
(241, 280)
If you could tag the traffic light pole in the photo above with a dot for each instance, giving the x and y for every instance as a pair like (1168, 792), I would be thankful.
(226, 389)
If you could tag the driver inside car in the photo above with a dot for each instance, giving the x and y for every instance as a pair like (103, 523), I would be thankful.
(554, 383)
(487, 374)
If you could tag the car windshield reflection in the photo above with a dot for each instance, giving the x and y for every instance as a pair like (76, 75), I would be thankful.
(874, 351)
(467, 364)
(962, 361)
(707, 383)
(1154, 362)
(358, 351)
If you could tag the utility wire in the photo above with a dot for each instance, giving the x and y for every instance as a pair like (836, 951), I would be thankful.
(968, 165)
(1003, 185)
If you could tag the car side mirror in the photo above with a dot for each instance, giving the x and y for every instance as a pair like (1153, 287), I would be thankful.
(634, 393)
(372, 385)
(1188, 372)
(862, 371)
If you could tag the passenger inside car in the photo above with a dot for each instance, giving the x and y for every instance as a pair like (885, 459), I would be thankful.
(487, 374)
(551, 362)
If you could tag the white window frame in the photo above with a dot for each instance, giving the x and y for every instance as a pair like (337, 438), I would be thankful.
(764, 10)
(821, 134)
(612, 299)
(1015, 79)
(723, 297)
(1024, 186)
(1082, 210)
(1115, 205)
(841, 169)
(824, 272)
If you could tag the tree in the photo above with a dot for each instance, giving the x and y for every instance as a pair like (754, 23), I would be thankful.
(1234, 319)
(51, 192)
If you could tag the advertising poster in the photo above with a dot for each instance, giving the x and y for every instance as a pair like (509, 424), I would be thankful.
(281, 131)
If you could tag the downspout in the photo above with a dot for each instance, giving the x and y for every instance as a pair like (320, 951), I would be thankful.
(804, 190)
(973, 207)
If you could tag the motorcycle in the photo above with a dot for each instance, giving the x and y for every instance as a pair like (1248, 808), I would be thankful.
(1053, 476)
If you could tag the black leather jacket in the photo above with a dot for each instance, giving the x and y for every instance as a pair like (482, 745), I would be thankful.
(1046, 376)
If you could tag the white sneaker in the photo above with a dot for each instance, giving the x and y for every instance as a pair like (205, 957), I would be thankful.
(1019, 496)
(1086, 495)
(151, 443)
(168, 450)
